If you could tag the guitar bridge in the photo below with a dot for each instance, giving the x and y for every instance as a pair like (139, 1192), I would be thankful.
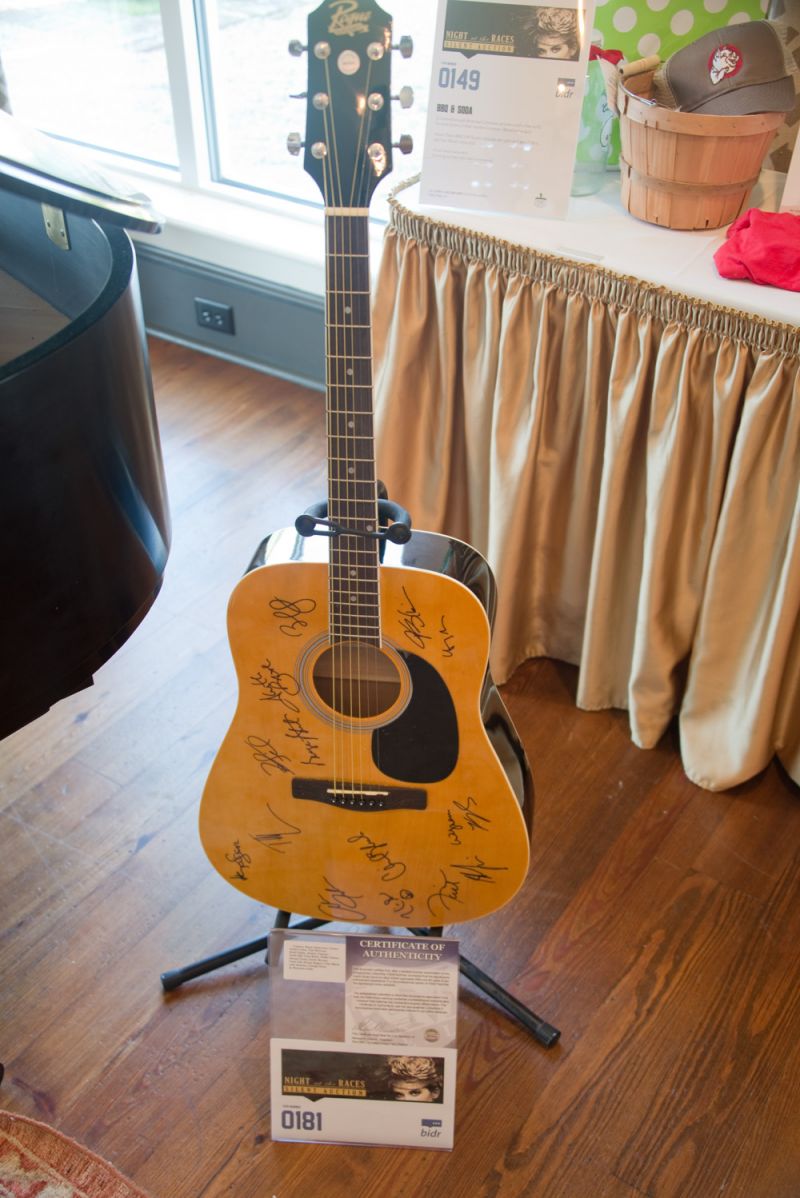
(360, 798)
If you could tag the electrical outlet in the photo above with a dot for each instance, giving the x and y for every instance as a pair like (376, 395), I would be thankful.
(211, 315)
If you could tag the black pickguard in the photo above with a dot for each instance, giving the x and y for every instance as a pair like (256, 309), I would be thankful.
(421, 745)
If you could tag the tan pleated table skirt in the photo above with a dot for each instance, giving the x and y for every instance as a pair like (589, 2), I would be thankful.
(628, 460)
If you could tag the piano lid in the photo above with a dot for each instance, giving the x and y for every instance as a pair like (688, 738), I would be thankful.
(39, 166)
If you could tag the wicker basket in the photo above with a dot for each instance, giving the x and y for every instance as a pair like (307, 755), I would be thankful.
(684, 170)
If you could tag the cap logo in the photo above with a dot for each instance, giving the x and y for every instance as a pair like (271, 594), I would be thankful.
(724, 62)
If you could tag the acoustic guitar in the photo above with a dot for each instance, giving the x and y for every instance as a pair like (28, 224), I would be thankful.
(371, 773)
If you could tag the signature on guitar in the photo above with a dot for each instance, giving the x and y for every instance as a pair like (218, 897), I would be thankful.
(268, 757)
(467, 817)
(448, 640)
(296, 731)
(443, 898)
(291, 612)
(279, 840)
(336, 903)
(412, 622)
(379, 854)
(399, 904)
(276, 687)
(241, 860)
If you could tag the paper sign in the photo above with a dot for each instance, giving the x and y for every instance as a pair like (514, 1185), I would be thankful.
(313, 961)
(325, 1092)
(791, 191)
(401, 991)
(505, 103)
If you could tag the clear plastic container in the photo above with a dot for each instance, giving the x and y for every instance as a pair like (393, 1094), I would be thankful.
(591, 158)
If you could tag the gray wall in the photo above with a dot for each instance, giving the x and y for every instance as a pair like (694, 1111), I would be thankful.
(277, 329)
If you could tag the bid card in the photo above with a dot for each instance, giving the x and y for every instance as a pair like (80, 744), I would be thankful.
(505, 104)
(328, 1092)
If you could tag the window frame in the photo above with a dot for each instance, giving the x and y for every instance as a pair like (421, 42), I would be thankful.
(278, 238)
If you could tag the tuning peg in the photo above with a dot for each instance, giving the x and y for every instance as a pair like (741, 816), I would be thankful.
(298, 95)
(405, 46)
(296, 48)
(405, 96)
(294, 143)
(405, 145)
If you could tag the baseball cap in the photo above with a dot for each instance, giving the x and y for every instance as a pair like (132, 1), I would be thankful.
(732, 71)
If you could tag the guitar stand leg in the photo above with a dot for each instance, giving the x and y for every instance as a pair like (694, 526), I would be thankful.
(176, 977)
(544, 1032)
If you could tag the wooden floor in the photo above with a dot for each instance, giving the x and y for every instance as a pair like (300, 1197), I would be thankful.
(659, 926)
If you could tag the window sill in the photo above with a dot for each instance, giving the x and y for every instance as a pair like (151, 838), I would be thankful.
(277, 241)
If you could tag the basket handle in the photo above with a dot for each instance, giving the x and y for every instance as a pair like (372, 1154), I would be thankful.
(633, 79)
(639, 66)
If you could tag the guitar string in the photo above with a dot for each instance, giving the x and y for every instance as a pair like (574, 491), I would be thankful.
(341, 561)
(341, 263)
(336, 557)
(327, 168)
(359, 190)
(374, 571)
(356, 567)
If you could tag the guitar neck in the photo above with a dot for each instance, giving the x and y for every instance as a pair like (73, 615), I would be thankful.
(352, 484)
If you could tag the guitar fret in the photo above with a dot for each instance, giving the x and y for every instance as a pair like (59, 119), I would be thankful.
(347, 572)
(345, 501)
(358, 623)
(362, 603)
(352, 582)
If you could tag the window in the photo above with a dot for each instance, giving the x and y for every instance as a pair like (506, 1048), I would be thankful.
(93, 71)
(252, 77)
(201, 89)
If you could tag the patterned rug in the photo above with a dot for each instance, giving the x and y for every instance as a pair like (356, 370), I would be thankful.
(37, 1162)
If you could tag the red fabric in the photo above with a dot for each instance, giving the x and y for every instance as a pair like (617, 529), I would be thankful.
(763, 247)
(614, 56)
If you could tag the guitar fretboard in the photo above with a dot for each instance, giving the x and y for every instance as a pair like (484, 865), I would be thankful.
(352, 496)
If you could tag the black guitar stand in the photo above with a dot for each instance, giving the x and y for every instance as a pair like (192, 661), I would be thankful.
(544, 1032)
(314, 522)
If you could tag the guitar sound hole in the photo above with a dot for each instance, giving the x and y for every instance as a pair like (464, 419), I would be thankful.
(357, 679)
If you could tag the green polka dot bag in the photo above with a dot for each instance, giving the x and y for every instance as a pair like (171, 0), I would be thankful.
(642, 27)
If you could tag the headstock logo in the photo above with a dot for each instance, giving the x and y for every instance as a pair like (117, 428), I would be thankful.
(346, 20)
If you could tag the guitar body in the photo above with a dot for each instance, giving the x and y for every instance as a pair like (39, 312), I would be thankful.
(371, 784)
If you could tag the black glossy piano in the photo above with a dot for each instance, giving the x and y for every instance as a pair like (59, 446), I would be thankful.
(84, 521)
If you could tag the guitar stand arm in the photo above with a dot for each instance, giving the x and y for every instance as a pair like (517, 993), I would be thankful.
(544, 1032)
(314, 523)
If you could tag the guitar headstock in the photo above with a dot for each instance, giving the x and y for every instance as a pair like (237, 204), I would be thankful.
(348, 144)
